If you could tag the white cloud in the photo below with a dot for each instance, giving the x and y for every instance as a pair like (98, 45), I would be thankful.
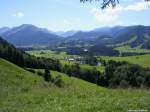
(110, 15)
(139, 6)
(19, 15)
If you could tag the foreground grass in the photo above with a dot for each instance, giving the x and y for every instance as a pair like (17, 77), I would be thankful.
(142, 60)
(22, 91)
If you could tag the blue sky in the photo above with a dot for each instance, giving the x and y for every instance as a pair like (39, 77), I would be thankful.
(62, 15)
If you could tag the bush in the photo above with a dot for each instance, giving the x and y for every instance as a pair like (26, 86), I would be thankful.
(58, 81)
(47, 75)
(140, 81)
(124, 84)
(40, 73)
(147, 78)
(30, 70)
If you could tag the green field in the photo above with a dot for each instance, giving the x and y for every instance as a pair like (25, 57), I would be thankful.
(50, 54)
(99, 68)
(61, 56)
(128, 49)
(22, 91)
(143, 60)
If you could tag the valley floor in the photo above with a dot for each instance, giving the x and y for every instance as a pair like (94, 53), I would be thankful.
(22, 91)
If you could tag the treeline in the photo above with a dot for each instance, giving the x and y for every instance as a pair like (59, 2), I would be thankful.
(122, 74)
(20, 58)
(117, 74)
(90, 60)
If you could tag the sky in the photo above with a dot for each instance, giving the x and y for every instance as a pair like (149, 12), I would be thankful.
(63, 15)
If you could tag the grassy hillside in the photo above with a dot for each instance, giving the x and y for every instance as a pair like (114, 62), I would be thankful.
(22, 91)
(128, 49)
(143, 60)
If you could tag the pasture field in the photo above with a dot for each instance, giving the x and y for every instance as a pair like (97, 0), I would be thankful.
(51, 54)
(22, 91)
(128, 49)
(142, 60)
(99, 68)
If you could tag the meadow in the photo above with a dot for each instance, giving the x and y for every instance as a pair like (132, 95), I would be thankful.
(22, 91)
(142, 60)
(128, 49)
(51, 54)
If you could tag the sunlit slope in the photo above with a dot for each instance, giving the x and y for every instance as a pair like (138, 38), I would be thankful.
(142, 60)
(21, 91)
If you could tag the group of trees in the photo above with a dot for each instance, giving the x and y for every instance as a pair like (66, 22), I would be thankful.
(117, 74)
(91, 60)
(18, 57)
(88, 74)
(122, 74)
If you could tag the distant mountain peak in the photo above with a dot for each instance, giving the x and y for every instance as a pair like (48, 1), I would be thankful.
(30, 35)
(4, 29)
(27, 25)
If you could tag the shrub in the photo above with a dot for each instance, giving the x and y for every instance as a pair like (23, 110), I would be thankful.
(147, 78)
(40, 73)
(58, 81)
(30, 70)
(140, 81)
(124, 84)
(47, 75)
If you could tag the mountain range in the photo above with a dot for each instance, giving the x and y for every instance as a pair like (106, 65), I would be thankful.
(4, 29)
(134, 36)
(28, 35)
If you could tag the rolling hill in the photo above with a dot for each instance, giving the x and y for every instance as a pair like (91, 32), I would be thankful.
(22, 91)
